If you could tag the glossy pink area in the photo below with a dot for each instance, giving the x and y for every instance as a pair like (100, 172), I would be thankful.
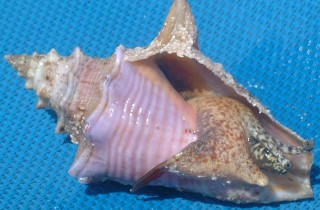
(140, 122)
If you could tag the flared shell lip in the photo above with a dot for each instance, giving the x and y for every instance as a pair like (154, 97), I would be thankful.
(179, 36)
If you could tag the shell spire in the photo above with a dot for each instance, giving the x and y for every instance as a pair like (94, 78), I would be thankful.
(22, 64)
(33, 69)
(51, 76)
(25, 66)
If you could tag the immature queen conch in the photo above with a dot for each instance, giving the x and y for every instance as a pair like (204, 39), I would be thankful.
(167, 115)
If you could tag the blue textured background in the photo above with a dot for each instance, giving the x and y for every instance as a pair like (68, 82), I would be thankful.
(271, 47)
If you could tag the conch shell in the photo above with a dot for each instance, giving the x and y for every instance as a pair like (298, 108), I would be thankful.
(167, 115)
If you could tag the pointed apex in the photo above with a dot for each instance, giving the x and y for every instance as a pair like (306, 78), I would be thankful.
(19, 62)
(179, 26)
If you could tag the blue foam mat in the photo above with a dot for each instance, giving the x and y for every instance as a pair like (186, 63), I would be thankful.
(271, 47)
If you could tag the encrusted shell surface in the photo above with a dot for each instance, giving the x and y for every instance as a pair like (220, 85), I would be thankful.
(98, 101)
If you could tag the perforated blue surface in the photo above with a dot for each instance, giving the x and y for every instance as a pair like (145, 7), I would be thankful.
(271, 47)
